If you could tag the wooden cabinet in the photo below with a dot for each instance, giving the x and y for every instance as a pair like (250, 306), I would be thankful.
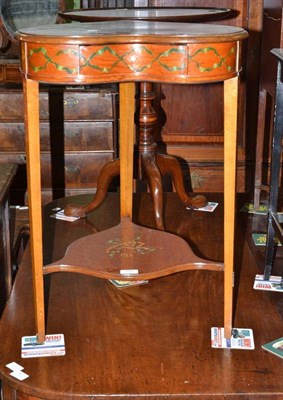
(78, 136)
(78, 125)
(272, 37)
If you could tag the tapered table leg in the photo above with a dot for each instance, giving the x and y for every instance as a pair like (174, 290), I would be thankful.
(230, 150)
(127, 133)
(31, 96)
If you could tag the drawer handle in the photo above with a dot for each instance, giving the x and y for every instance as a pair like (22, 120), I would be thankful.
(22, 158)
(71, 134)
(72, 169)
(43, 114)
(70, 102)
(196, 180)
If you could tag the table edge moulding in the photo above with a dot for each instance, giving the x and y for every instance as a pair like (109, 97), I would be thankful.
(129, 52)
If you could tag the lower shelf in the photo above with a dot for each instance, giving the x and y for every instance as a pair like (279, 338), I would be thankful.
(131, 252)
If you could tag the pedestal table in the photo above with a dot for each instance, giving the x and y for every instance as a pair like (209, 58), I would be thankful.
(152, 164)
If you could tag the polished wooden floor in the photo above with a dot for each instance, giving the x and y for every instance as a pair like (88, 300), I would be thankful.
(150, 341)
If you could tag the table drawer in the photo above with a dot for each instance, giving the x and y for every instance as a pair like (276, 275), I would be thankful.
(70, 136)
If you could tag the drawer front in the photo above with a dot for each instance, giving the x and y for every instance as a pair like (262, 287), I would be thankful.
(73, 170)
(119, 59)
(206, 179)
(70, 105)
(10, 73)
(70, 136)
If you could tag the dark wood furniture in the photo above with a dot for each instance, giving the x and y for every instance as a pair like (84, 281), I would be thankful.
(275, 220)
(271, 38)
(80, 126)
(149, 341)
(7, 175)
(126, 52)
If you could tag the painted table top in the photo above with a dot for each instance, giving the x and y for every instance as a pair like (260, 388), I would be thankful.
(158, 30)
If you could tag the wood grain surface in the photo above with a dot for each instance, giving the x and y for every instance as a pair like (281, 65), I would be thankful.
(150, 341)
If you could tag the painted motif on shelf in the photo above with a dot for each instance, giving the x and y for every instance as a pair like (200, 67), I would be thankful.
(128, 248)
(192, 60)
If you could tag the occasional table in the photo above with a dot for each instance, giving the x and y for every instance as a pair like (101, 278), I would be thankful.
(152, 165)
(129, 52)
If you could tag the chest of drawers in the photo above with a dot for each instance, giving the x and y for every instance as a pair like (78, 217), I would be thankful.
(78, 133)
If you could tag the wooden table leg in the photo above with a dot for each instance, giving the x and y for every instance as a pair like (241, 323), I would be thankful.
(230, 153)
(31, 101)
(127, 133)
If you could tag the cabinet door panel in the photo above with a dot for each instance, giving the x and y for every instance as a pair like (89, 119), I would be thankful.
(192, 110)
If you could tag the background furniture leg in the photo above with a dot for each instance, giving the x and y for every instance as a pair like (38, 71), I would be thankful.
(258, 186)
